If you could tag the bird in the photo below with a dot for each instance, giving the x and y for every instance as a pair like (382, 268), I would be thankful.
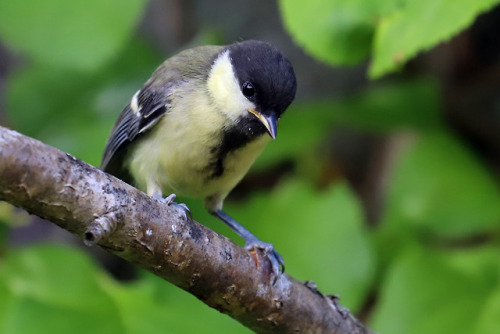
(199, 122)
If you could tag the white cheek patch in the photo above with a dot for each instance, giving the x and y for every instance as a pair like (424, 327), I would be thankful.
(225, 89)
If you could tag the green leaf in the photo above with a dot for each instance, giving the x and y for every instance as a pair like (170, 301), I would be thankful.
(418, 26)
(336, 32)
(73, 34)
(54, 290)
(47, 289)
(488, 321)
(39, 96)
(320, 235)
(425, 293)
(345, 32)
(8, 307)
(43, 103)
(439, 187)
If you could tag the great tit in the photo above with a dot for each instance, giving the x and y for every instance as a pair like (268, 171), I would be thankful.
(198, 124)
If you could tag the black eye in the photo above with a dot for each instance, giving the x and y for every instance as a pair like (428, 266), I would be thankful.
(248, 89)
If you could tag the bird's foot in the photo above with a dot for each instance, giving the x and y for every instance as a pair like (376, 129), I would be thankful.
(252, 243)
(277, 263)
(181, 207)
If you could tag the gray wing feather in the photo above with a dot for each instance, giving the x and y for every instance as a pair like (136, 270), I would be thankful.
(152, 102)
(152, 105)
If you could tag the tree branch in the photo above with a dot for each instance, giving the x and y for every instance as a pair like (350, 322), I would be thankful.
(106, 211)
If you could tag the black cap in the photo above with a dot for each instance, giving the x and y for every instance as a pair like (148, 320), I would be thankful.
(268, 72)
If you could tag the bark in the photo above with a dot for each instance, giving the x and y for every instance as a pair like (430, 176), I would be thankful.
(103, 210)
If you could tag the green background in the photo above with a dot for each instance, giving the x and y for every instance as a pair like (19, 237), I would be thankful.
(371, 189)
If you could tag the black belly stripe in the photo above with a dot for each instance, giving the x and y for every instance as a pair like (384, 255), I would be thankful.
(245, 131)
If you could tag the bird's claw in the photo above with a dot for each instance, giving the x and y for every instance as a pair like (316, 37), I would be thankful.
(277, 262)
(169, 199)
(181, 207)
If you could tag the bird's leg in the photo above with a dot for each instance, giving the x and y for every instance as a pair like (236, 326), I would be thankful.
(252, 242)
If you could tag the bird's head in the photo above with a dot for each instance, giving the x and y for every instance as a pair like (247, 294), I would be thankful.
(252, 83)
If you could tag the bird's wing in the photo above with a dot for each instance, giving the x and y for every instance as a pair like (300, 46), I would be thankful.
(152, 102)
(144, 110)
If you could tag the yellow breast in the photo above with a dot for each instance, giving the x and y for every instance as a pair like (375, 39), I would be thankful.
(177, 154)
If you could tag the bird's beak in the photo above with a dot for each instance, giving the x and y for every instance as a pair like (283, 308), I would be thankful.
(269, 121)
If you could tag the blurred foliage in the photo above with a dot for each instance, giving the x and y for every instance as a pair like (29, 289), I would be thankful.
(344, 32)
(451, 192)
(55, 289)
(76, 106)
(423, 24)
(71, 34)
(427, 291)
(421, 260)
